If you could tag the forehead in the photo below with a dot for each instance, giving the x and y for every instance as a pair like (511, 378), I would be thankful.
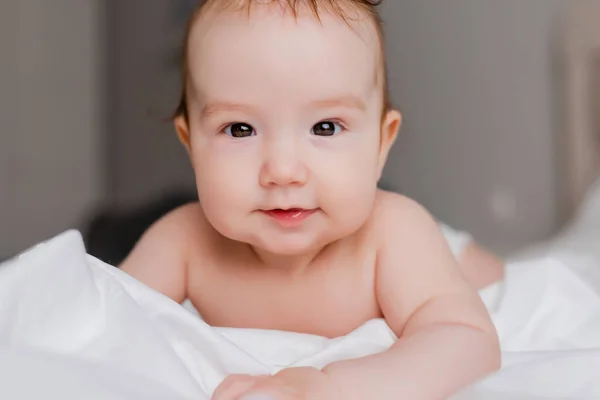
(272, 53)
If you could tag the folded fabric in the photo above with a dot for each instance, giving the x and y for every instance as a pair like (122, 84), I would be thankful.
(72, 327)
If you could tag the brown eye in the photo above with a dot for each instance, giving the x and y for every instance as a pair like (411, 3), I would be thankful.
(239, 130)
(326, 128)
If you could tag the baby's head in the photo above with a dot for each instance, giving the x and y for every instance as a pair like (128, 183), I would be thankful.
(285, 107)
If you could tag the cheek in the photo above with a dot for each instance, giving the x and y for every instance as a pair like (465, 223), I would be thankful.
(353, 163)
(223, 169)
(349, 181)
(225, 184)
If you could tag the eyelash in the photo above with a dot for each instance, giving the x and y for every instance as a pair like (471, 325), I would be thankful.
(334, 121)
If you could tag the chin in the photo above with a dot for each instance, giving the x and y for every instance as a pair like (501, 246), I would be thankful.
(289, 245)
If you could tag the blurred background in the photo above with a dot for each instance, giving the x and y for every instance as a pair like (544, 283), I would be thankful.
(87, 86)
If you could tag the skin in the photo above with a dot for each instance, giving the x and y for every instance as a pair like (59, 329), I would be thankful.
(363, 253)
(480, 267)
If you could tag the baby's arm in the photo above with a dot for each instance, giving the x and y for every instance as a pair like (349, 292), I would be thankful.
(446, 339)
(159, 258)
(480, 267)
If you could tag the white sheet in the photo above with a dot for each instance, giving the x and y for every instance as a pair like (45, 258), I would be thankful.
(72, 327)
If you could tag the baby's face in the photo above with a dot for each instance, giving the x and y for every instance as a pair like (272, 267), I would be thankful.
(285, 126)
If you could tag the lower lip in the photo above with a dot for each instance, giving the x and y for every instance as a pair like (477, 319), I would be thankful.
(290, 218)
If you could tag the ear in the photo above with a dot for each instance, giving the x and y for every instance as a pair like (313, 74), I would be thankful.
(183, 132)
(389, 130)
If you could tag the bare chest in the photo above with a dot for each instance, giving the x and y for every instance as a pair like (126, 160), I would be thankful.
(331, 301)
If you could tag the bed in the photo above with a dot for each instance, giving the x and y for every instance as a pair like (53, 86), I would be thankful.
(96, 333)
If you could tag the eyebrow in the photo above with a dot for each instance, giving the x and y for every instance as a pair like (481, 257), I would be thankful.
(216, 107)
(346, 101)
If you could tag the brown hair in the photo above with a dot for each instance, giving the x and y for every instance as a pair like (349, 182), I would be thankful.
(365, 6)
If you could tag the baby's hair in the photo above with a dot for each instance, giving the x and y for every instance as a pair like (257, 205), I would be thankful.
(340, 8)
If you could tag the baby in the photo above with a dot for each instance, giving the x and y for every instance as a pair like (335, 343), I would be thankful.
(480, 267)
(286, 120)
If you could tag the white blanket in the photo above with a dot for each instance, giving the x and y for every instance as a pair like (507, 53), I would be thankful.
(72, 327)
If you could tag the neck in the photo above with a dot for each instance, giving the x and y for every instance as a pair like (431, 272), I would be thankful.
(292, 264)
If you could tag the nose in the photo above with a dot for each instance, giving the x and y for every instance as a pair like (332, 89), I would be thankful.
(282, 166)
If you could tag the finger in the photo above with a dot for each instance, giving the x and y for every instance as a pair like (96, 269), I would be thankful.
(233, 386)
(269, 389)
(257, 396)
(269, 395)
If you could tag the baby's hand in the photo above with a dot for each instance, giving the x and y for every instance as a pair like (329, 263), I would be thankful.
(289, 384)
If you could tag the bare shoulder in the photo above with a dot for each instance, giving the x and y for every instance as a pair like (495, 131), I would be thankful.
(176, 229)
(415, 267)
(160, 257)
(397, 214)
(405, 230)
(395, 201)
